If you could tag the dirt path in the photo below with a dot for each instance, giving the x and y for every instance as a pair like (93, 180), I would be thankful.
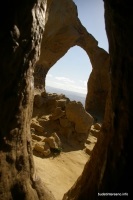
(60, 173)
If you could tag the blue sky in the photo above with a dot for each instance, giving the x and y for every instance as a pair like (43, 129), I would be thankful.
(71, 72)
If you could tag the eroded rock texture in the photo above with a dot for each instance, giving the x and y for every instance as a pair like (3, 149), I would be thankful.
(110, 167)
(57, 113)
(64, 31)
(22, 25)
(75, 113)
(118, 174)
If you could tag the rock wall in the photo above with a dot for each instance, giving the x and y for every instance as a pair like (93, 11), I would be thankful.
(110, 168)
(64, 31)
(39, 77)
(118, 173)
(22, 25)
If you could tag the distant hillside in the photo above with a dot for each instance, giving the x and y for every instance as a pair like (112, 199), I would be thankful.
(71, 95)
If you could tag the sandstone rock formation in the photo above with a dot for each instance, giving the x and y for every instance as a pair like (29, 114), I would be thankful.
(76, 113)
(67, 119)
(39, 77)
(110, 166)
(119, 166)
(44, 146)
(35, 124)
(22, 25)
(58, 113)
(57, 40)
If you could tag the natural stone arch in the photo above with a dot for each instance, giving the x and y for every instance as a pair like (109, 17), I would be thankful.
(70, 32)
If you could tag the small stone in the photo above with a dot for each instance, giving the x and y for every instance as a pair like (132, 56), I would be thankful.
(47, 151)
(51, 142)
(36, 137)
(89, 148)
(57, 139)
(57, 113)
(97, 126)
(61, 103)
(37, 126)
(39, 147)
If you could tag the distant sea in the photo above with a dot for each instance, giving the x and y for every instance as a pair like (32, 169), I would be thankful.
(71, 95)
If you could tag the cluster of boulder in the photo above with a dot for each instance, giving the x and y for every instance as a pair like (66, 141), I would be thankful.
(55, 118)
(46, 145)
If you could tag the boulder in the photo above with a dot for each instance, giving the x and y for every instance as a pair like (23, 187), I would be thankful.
(39, 147)
(95, 129)
(57, 139)
(76, 113)
(36, 137)
(58, 112)
(64, 122)
(51, 142)
(67, 131)
(61, 103)
(37, 126)
(97, 126)
(46, 151)
(89, 148)
(42, 148)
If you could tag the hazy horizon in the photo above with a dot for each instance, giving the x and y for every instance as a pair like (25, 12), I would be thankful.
(70, 94)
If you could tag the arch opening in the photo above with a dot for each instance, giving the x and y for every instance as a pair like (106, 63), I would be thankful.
(70, 75)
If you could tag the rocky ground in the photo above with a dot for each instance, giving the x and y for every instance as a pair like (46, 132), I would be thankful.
(63, 137)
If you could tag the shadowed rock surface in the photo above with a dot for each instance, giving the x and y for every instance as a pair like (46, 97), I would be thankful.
(22, 25)
(110, 168)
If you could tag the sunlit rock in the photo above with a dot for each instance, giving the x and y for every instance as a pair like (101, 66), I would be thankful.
(76, 113)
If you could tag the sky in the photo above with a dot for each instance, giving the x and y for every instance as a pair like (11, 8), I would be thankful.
(72, 71)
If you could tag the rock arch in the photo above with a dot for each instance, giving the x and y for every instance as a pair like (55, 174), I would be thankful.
(67, 33)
